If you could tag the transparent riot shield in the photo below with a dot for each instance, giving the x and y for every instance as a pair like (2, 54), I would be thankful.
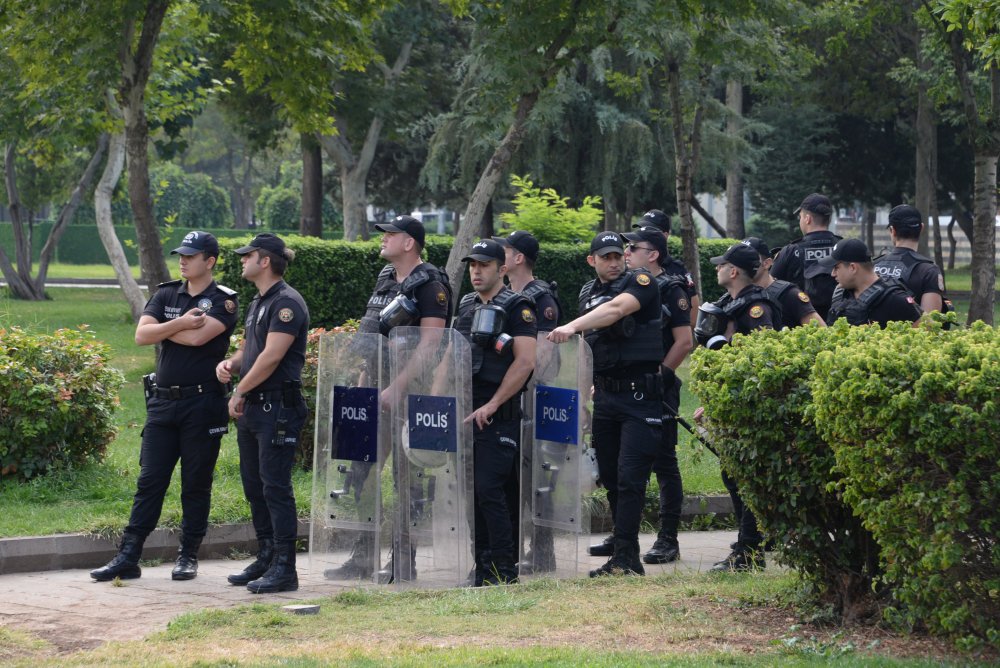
(555, 470)
(430, 384)
(352, 442)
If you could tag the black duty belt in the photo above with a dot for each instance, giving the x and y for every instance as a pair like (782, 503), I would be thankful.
(263, 397)
(650, 384)
(178, 392)
(510, 409)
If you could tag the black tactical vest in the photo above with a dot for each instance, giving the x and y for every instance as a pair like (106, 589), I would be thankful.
(816, 279)
(858, 310)
(386, 289)
(666, 282)
(610, 347)
(538, 288)
(735, 308)
(487, 365)
(775, 293)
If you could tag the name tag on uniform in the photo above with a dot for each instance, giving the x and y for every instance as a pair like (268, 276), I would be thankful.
(557, 412)
(355, 423)
(433, 423)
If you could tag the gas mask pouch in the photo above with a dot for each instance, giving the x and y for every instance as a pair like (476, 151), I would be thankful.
(710, 328)
(487, 328)
(400, 312)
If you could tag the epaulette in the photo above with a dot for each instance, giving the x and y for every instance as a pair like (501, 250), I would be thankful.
(229, 292)
(174, 282)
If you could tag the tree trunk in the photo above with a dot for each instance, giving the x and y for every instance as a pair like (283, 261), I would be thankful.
(68, 211)
(19, 278)
(712, 222)
(735, 214)
(486, 186)
(926, 152)
(935, 214)
(311, 220)
(105, 226)
(137, 64)
(952, 244)
(984, 240)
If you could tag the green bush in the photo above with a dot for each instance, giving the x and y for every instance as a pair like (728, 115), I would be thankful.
(278, 208)
(548, 216)
(57, 399)
(913, 418)
(758, 401)
(188, 200)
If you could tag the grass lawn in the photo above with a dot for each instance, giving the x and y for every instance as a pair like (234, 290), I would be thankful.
(682, 620)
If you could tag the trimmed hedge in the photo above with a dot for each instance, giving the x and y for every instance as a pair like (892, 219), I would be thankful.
(57, 399)
(337, 277)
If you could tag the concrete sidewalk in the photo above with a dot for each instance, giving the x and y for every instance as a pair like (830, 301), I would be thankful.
(68, 609)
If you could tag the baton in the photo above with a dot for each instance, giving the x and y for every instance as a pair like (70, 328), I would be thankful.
(697, 434)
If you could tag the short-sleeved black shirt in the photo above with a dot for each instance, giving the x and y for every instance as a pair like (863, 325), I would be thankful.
(925, 277)
(520, 321)
(643, 286)
(191, 365)
(795, 303)
(283, 310)
(758, 315)
(672, 265)
(676, 301)
(546, 308)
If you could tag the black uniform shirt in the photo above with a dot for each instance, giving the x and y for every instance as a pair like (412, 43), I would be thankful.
(546, 308)
(432, 300)
(642, 285)
(896, 305)
(795, 305)
(191, 365)
(522, 321)
(756, 316)
(281, 310)
(674, 299)
(925, 277)
(789, 263)
(673, 266)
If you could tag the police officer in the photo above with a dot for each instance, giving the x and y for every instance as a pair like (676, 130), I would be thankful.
(270, 410)
(621, 321)
(191, 318)
(796, 307)
(744, 308)
(408, 292)
(520, 255)
(917, 273)
(661, 221)
(644, 250)
(862, 296)
(797, 262)
(500, 326)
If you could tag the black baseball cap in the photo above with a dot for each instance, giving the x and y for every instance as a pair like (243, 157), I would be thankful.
(905, 217)
(406, 225)
(739, 255)
(847, 250)
(758, 245)
(607, 242)
(651, 235)
(815, 203)
(486, 250)
(264, 241)
(197, 242)
(522, 242)
(654, 218)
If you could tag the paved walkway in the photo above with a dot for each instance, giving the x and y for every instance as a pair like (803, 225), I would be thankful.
(71, 611)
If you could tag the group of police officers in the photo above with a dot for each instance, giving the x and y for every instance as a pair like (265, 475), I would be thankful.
(640, 316)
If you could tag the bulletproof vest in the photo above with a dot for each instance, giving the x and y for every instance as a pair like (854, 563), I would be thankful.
(386, 289)
(775, 292)
(610, 345)
(816, 279)
(486, 364)
(858, 310)
(735, 308)
(538, 288)
(666, 282)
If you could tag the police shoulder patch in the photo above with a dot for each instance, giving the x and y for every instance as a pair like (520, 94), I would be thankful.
(803, 297)
(549, 313)
(756, 311)
(682, 304)
(230, 306)
(642, 279)
(286, 315)
(527, 315)
(442, 298)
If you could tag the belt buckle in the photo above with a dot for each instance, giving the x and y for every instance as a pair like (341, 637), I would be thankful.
(174, 392)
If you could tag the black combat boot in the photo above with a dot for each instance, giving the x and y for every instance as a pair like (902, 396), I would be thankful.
(500, 572)
(664, 550)
(265, 554)
(281, 576)
(743, 558)
(624, 562)
(186, 567)
(125, 564)
(359, 566)
(603, 549)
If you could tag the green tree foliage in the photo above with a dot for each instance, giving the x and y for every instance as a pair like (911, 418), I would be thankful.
(912, 416)
(59, 397)
(278, 207)
(188, 200)
(548, 216)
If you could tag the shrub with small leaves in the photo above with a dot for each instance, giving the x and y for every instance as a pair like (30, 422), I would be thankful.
(57, 400)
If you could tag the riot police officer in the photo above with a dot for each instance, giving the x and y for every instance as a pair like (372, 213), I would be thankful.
(408, 292)
(270, 410)
(796, 307)
(862, 296)
(500, 325)
(917, 273)
(744, 308)
(644, 250)
(672, 266)
(621, 321)
(192, 319)
(797, 262)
